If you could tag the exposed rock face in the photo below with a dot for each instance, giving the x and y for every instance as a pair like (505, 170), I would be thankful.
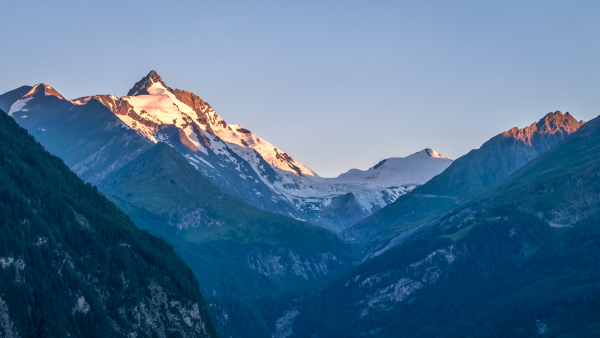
(287, 262)
(141, 87)
(6, 322)
(553, 124)
(201, 107)
(563, 180)
(280, 185)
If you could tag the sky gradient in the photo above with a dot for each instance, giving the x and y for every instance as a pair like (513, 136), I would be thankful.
(335, 84)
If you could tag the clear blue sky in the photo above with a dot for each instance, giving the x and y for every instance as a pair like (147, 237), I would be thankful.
(336, 84)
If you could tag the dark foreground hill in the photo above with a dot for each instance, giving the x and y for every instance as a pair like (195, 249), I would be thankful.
(73, 265)
(523, 260)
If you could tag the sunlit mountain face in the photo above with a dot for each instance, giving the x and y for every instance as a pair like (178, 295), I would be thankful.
(234, 158)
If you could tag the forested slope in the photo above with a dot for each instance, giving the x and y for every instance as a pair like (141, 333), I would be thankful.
(73, 264)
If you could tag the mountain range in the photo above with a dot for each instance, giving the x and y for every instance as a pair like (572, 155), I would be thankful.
(521, 260)
(239, 257)
(232, 157)
(500, 242)
(466, 179)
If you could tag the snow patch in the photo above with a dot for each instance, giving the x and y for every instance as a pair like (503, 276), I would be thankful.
(19, 105)
(206, 162)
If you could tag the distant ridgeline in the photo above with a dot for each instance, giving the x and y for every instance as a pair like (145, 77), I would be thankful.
(74, 265)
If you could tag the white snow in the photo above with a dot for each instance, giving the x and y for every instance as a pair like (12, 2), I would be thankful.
(19, 105)
(160, 107)
(141, 128)
(46, 87)
(189, 132)
(243, 137)
(434, 153)
(417, 168)
(206, 162)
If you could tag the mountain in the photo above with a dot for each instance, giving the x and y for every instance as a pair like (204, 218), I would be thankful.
(246, 260)
(73, 265)
(239, 253)
(520, 261)
(91, 140)
(464, 180)
(561, 186)
(356, 193)
(12, 96)
(502, 155)
(232, 157)
(416, 168)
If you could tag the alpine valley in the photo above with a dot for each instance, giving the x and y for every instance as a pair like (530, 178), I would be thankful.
(503, 241)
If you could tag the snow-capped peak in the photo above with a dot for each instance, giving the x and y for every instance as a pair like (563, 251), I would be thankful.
(415, 169)
(142, 86)
(38, 90)
(433, 153)
(151, 104)
(43, 88)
